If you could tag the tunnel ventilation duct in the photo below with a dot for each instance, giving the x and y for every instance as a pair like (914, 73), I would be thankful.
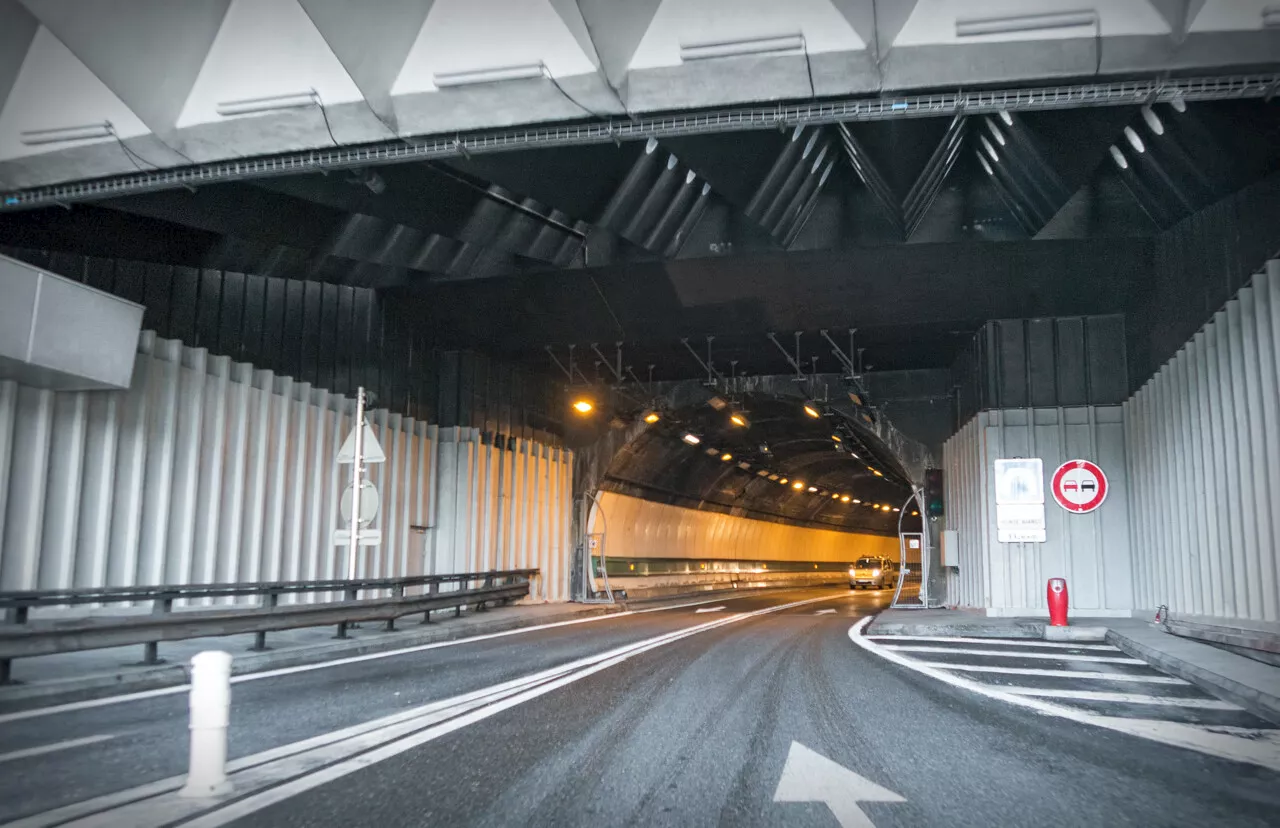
(58, 334)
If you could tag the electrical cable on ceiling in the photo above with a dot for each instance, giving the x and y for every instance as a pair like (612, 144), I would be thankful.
(621, 333)
(325, 114)
(547, 74)
(133, 157)
(808, 68)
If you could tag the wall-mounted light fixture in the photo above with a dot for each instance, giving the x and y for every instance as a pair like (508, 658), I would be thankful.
(1271, 17)
(65, 134)
(1153, 120)
(1118, 157)
(747, 46)
(498, 74)
(1134, 139)
(976, 27)
(249, 106)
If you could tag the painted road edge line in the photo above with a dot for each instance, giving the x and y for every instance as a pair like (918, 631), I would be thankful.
(1224, 746)
(991, 642)
(909, 648)
(41, 750)
(89, 704)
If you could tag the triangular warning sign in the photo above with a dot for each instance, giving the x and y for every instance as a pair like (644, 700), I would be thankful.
(371, 449)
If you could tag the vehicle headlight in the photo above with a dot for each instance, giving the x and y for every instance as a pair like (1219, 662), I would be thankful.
(875, 573)
(853, 572)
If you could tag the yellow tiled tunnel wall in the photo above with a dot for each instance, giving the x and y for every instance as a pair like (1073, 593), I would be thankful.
(637, 528)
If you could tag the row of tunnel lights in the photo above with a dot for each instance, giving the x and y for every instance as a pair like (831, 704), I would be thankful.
(584, 406)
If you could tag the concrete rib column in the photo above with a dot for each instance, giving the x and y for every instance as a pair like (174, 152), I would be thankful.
(180, 552)
(211, 466)
(255, 494)
(446, 494)
(1258, 506)
(295, 502)
(1267, 322)
(93, 541)
(161, 435)
(62, 498)
(273, 548)
(129, 471)
(231, 521)
(323, 559)
(28, 464)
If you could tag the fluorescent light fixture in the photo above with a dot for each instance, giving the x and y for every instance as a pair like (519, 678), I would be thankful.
(773, 477)
(745, 466)
(976, 27)
(762, 473)
(470, 77)
(691, 439)
(995, 132)
(726, 457)
(749, 46)
(1153, 120)
(1179, 104)
(249, 106)
(717, 403)
(64, 134)
(1134, 139)
(813, 488)
(990, 149)
(982, 159)
(856, 500)
(1006, 117)
(712, 452)
(1271, 16)
(1118, 157)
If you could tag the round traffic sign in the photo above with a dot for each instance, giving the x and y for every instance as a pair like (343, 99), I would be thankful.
(369, 502)
(1079, 486)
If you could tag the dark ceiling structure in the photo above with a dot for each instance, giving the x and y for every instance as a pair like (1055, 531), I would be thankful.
(914, 231)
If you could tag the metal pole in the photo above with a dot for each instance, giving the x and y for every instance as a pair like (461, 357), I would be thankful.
(357, 471)
(210, 705)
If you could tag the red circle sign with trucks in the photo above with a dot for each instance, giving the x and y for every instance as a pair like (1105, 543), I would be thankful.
(1079, 486)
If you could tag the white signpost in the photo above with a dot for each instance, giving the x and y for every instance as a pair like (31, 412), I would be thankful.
(360, 447)
(1020, 500)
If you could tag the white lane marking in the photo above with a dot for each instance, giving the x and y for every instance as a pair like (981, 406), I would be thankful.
(243, 807)
(27, 753)
(1123, 698)
(824, 612)
(147, 804)
(992, 642)
(1007, 654)
(1034, 671)
(1264, 751)
(808, 776)
(709, 609)
(72, 707)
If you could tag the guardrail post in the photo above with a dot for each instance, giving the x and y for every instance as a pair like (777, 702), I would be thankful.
(15, 615)
(210, 706)
(6, 671)
(271, 601)
(397, 591)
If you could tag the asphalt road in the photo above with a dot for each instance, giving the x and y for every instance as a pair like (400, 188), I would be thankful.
(692, 718)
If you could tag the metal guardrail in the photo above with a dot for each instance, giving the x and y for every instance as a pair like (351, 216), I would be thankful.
(22, 637)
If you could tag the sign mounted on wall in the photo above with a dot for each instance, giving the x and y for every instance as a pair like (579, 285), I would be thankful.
(1019, 484)
(1079, 486)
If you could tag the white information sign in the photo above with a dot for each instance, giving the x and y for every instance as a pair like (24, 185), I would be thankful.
(1019, 486)
(1020, 481)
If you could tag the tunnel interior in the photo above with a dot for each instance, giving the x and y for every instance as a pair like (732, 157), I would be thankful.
(767, 457)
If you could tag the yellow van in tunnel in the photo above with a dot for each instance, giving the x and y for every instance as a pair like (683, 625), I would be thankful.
(873, 573)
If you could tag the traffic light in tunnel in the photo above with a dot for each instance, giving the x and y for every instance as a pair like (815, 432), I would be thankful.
(933, 506)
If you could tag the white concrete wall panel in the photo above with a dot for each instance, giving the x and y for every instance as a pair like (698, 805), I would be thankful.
(685, 22)
(54, 90)
(469, 35)
(207, 470)
(1091, 551)
(637, 528)
(933, 22)
(266, 48)
(1204, 455)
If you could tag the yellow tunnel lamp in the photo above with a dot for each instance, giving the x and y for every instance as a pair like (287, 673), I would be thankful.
(726, 457)
(835, 496)
(836, 438)
(652, 417)
(583, 406)
(798, 485)
(739, 420)
(783, 481)
(812, 410)
(844, 499)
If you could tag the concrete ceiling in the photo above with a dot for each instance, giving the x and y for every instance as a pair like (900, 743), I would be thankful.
(158, 72)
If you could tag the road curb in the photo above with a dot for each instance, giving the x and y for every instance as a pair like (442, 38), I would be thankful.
(61, 691)
(1021, 629)
(1258, 702)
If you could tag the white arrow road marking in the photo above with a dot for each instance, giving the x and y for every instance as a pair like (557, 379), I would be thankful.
(824, 612)
(40, 750)
(709, 609)
(812, 777)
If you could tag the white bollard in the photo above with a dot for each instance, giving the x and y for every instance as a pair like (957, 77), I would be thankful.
(210, 705)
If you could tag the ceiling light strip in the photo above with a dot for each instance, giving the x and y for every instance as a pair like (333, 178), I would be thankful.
(1117, 93)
